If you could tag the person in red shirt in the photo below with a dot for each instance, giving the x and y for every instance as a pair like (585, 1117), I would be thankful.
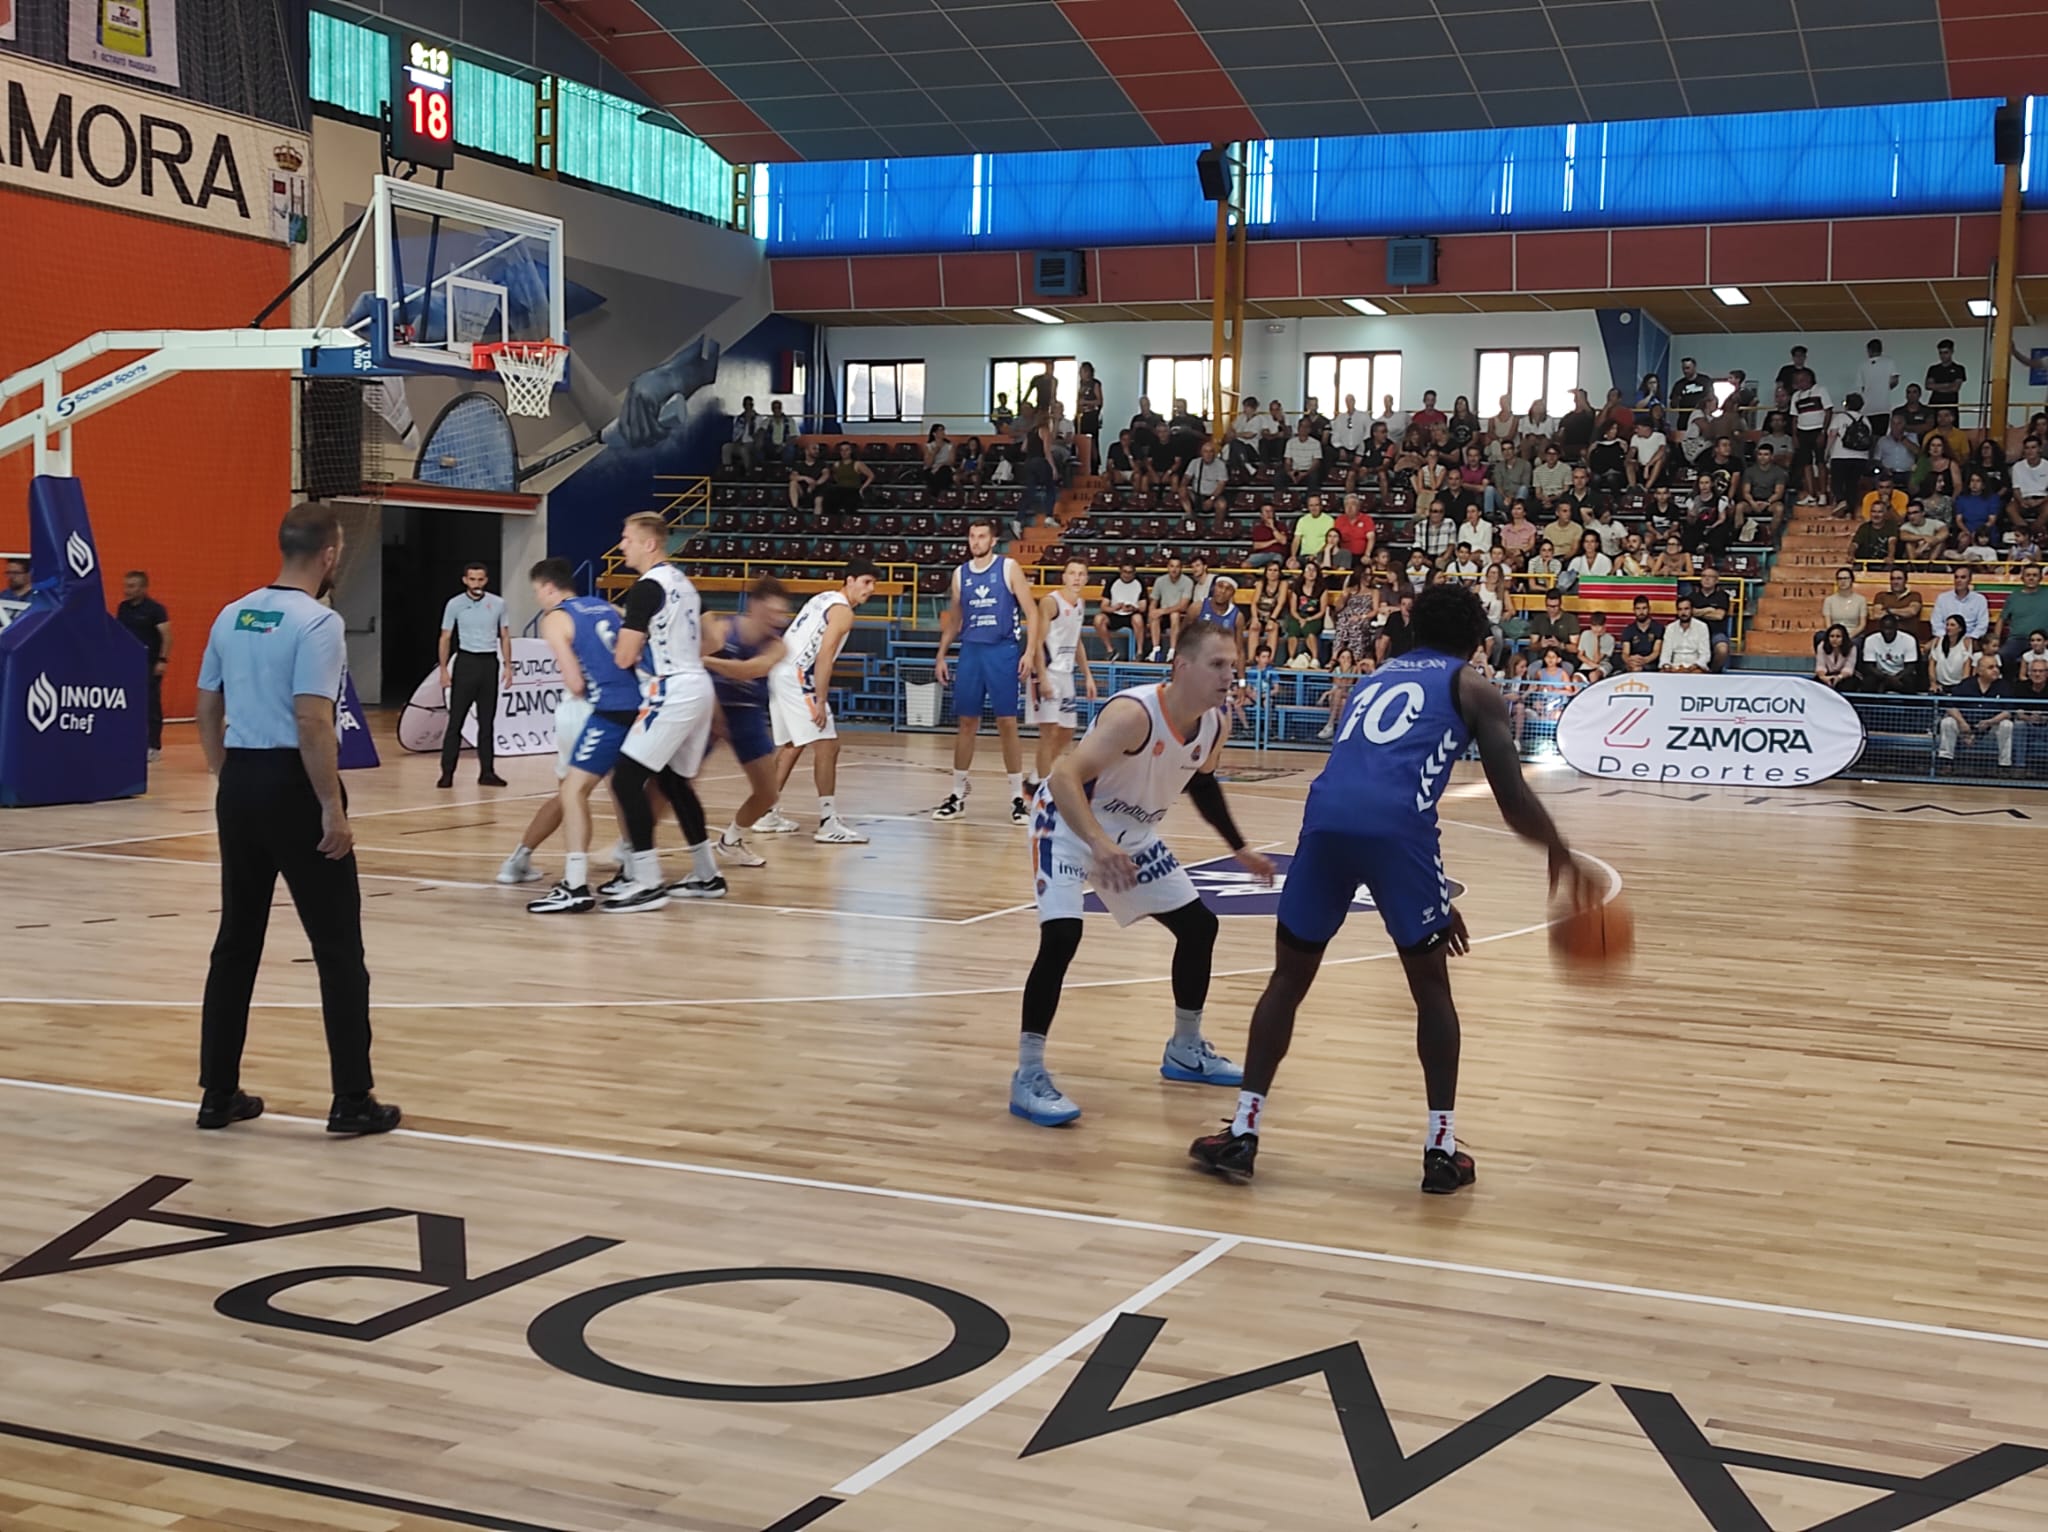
(1356, 533)
(1429, 416)
(1269, 538)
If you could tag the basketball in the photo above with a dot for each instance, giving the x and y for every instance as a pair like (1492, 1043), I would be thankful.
(1594, 940)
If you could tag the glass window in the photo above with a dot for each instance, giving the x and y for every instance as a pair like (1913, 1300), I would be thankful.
(1525, 377)
(1011, 375)
(883, 391)
(1168, 378)
(1368, 376)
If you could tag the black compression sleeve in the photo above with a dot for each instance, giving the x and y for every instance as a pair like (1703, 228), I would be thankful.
(642, 602)
(1207, 794)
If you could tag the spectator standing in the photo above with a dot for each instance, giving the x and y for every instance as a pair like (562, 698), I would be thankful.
(1788, 375)
(1966, 602)
(1688, 649)
(1889, 656)
(742, 448)
(149, 624)
(1877, 380)
(1690, 393)
(1846, 605)
(1850, 439)
(1088, 422)
(1811, 407)
(473, 625)
(1034, 405)
(1945, 376)
(2025, 613)
(1963, 723)
(1834, 658)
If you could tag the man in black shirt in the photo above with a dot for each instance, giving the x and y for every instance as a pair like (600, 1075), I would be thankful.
(1945, 378)
(1917, 414)
(1788, 375)
(1575, 428)
(1710, 605)
(1396, 636)
(1689, 391)
(1641, 641)
(1145, 440)
(151, 624)
(1964, 723)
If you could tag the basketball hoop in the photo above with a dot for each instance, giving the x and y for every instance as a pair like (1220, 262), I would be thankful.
(529, 369)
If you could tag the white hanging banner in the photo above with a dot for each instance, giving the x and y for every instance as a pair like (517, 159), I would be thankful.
(1750, 729)
(525, 720)
(138, 37)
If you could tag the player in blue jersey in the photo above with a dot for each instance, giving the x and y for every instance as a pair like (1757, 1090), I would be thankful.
(600, 701)
(740, 651)
(1371, 820)
(997, 620)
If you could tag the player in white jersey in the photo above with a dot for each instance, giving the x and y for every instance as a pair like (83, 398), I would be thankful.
(799, 699)
(1054, 706)
(1096, 819)
(663, 624)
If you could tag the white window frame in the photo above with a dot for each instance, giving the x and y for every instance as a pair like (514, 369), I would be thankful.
(901, 366)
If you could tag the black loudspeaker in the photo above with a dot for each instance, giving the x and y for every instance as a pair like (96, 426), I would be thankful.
(1213, 166)
(2009, 134)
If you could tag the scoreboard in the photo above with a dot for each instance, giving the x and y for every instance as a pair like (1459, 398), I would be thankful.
(422, 103)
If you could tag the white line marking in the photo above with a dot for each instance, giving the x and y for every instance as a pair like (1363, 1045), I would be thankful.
(1109, 1221)
(1614, 887)
(1029, 1373)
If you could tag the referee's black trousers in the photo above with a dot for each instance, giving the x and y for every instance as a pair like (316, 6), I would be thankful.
(269, 820)
(472, 683)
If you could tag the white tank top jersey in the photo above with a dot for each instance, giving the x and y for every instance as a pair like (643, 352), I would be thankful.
(806, 636)
(1134, 793)
(1063, 634)
(674, 642)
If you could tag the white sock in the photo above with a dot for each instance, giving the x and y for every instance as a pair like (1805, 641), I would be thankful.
(576, 869)
(827, 811)
(703, 864)
(731, 834)
(1016, 784)
(959, 784)
(524, 853)
(1251, 1112)
(1187, 1027)
(1440, 1134)
(647, 868)
(622, 853)
(1031, 1050)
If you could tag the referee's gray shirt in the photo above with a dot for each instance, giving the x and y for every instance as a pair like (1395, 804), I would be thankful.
(272, 646)
(475, 621)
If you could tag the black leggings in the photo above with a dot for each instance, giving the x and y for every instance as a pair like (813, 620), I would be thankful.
(1194, 932)
(629, 785)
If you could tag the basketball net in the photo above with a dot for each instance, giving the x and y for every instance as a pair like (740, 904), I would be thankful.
(529, 369)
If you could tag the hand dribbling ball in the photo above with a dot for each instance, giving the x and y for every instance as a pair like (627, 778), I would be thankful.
(1598, 939)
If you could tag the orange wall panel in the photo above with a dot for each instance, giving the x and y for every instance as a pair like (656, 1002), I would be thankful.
(187, 480)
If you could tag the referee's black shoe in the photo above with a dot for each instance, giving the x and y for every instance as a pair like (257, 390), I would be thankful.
(218, 1109)
(362, 1114)
(491, 779)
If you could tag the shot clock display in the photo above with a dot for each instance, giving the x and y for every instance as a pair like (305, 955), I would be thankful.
(422, 103)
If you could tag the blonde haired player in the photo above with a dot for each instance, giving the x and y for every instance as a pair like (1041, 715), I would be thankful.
(1096, 819)
(1054, 707)
(798, 690)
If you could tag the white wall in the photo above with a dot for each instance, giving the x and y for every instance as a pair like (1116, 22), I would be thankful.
(1437, 351)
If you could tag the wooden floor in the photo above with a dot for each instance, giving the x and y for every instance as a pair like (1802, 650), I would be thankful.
(714, 1219)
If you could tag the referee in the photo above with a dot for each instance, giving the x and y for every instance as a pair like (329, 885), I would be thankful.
(274, 661)
(473, 623)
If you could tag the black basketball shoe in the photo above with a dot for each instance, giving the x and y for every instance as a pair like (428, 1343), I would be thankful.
(362, 1115)
(218, 1110)
(1226, 1154)
(1444, 1173)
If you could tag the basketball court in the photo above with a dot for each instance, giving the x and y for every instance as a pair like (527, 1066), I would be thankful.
(714, 1219)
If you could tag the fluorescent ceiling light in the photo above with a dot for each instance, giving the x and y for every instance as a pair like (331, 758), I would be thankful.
(1734, 297)
(1366, 306)
(1040, 315)
(1982, 308)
